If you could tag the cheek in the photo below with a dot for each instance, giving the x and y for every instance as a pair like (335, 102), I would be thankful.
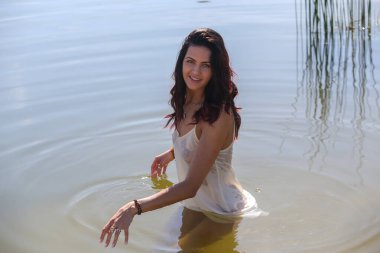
(209, 75)
(185, 69)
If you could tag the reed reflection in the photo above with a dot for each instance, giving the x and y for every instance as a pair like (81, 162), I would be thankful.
(337, 77)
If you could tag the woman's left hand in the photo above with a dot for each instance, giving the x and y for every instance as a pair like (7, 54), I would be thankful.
(121, 220)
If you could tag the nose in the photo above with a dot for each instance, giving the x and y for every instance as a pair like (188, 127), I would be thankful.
(196, 69)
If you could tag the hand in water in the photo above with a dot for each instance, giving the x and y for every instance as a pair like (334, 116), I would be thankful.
(160, 163)
(120, 221)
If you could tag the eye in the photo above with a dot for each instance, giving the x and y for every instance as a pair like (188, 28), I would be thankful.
(206, 66)
(189, 61)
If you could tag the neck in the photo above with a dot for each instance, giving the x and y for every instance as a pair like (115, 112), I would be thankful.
(194, 98)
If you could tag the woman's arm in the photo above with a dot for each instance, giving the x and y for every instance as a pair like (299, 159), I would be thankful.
(213, 139)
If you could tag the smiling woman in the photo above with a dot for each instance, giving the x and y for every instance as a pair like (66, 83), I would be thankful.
(197, 68)
(206, 123)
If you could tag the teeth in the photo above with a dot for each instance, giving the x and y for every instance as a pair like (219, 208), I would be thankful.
(195, 79)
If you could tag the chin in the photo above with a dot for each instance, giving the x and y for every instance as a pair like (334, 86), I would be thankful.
(194, 87)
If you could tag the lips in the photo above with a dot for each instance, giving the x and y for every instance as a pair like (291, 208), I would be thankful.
(194, 79)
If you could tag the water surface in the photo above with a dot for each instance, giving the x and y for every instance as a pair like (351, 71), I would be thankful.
(84, 87)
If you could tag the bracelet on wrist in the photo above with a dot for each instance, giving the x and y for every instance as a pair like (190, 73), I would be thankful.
(137, 205)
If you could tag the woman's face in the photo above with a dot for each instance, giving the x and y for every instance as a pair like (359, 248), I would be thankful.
(196, 68)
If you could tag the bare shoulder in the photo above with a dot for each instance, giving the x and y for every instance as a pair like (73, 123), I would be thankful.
(221, 129)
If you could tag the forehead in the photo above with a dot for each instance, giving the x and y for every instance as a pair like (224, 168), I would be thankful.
(199, 53)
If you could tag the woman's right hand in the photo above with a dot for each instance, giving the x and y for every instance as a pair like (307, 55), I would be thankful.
(160, 163)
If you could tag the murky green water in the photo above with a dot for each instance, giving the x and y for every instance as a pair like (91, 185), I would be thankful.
(83, 90)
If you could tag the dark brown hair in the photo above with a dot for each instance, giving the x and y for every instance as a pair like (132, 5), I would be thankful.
(219, 92)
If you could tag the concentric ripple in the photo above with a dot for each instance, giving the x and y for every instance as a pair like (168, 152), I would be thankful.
(94, 204)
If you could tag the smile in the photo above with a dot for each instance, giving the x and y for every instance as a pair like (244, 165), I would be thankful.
(194, 79)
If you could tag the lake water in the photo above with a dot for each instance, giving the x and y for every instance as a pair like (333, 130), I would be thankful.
(84, 86)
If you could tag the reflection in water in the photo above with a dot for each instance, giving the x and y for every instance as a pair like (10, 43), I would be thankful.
(199, 232)
(161, 182)
(334, 40)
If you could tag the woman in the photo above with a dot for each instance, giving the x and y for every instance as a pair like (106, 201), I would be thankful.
(206, 122)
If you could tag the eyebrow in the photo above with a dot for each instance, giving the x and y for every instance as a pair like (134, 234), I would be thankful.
(195, 60)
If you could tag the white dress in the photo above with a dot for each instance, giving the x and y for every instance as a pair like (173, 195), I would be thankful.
(220, 193)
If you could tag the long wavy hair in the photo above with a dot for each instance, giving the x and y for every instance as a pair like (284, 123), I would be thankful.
(219, 92)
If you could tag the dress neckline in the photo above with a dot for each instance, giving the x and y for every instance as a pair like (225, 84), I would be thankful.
(188, 132)
(197, 139)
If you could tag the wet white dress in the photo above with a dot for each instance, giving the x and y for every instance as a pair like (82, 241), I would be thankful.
(220, 192)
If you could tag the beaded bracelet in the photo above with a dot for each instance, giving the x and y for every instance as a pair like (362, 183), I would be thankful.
(137, 205)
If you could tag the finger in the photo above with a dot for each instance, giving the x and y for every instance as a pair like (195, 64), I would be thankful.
(109, 236)
(126, 236)
(153, 168)
(116, 237)
(164, 169)
(106, 230)
(153, 173)
(159, 169)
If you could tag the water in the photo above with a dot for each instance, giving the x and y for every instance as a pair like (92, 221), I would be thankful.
(83, 91)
